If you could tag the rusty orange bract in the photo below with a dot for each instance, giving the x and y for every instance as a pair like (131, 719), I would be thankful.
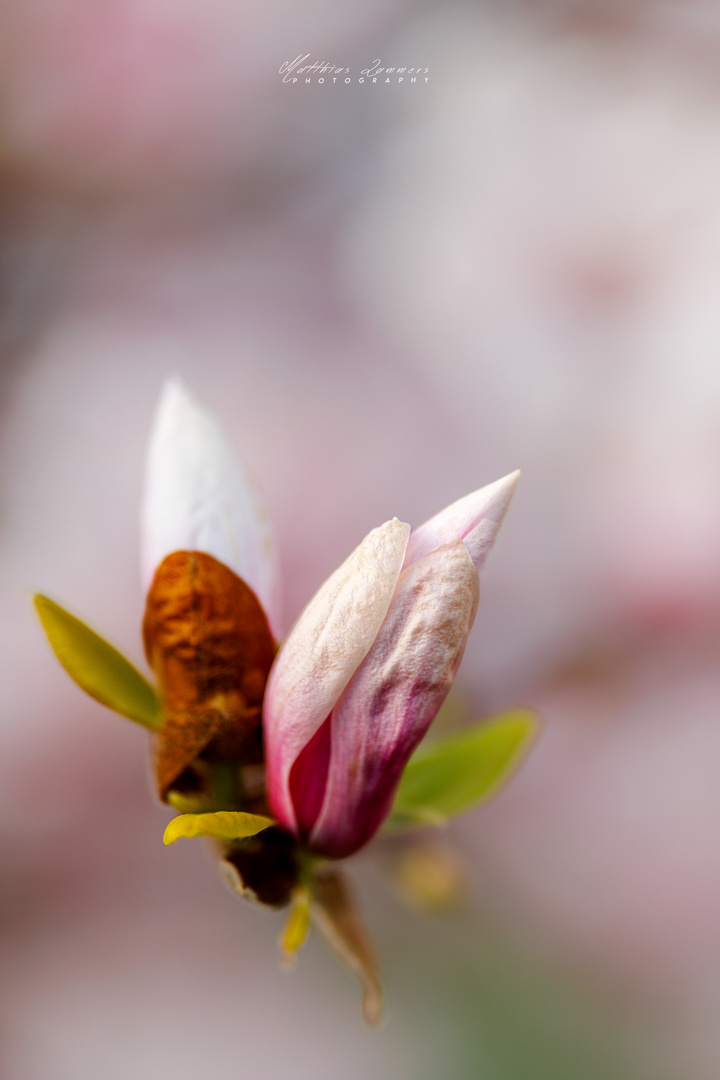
(207, 640)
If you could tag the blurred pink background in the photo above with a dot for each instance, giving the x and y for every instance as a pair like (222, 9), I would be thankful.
(390, 295)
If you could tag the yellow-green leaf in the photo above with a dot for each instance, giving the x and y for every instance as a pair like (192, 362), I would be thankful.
(188, 804)
(96, 666)
(225, 824)
(297, 926)
(448, 777)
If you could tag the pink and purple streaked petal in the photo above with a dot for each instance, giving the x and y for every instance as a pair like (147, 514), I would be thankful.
(394, 696)
(321, 653)
(474, 519)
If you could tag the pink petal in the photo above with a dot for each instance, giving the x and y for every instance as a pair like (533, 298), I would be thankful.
(394, 696)
(308, 778)
(475, 519)
(321, 653)
(198, 499)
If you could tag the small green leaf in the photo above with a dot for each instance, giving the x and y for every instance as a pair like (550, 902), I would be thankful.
(225, 824)
(447, 777)
(412, 817)
(98, 668)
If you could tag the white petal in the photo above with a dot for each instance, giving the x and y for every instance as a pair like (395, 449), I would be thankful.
(322, 651)
(474, 519)
(198, 499)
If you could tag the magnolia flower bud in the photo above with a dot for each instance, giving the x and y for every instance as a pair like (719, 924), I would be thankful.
(366, 667)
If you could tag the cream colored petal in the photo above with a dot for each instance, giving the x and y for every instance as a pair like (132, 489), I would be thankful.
(322, 651)
(474, 519)
(198, 499)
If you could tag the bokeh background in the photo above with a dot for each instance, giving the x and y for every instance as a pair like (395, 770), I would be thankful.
(390, 294)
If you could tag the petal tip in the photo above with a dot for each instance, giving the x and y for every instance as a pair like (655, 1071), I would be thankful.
(475, 519)
(501, 491)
